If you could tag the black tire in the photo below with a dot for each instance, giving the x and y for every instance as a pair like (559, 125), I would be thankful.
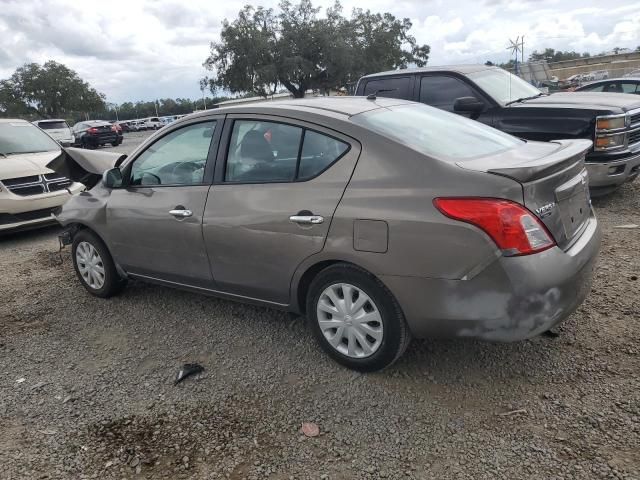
(114, 144)
(113, 282)
(396, 335)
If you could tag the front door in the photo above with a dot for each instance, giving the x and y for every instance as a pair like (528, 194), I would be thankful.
(155, 221)
(272, 202)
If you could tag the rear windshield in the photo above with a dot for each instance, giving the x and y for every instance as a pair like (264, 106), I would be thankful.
(52, 125)
(19, 137)
(436, 133)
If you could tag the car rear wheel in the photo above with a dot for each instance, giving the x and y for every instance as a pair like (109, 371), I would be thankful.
(356, 319)
(94, 266)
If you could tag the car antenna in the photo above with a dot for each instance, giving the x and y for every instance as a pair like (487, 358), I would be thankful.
(372, 96)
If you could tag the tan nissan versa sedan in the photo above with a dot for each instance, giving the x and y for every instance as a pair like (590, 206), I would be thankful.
(29, 191)
(377, 218)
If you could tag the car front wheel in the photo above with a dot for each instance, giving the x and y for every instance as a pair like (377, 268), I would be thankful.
(356, 319)
(94, 265)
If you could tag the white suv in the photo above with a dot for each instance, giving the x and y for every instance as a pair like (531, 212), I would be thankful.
(29, 191)
(58, 130)
(153, 123)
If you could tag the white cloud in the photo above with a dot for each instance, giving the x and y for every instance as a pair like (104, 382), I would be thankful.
(146, 49)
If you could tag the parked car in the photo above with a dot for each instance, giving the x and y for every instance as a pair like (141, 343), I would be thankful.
(58, 130)
(494, 96)
(29, 190)
(167, 120)
(153, 123)
(138, 125)
(124, 126)
(613, 85)
(378, 219)
(96, 133)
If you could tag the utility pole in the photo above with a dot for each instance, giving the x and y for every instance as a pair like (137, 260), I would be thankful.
(155, 104)
(204, 100)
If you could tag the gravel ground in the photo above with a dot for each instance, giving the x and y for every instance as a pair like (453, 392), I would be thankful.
(87, 385)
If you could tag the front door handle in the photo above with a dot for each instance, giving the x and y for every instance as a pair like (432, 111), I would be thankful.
(307, 219)
(181, 212)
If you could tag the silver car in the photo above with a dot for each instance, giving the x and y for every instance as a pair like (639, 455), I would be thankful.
(378, 219)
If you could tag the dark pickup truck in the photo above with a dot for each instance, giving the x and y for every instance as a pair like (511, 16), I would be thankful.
(496, 97)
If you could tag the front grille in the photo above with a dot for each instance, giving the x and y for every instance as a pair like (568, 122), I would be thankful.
(9, 218)
(634, 137)
(54, 187)
(635, 118)
(54, 176)
(21, 180)
(36, 184)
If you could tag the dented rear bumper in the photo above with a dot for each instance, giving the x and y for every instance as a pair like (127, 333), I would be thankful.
(514, 298)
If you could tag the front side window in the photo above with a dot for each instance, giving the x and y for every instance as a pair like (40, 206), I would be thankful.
(23, 137)
(503, 86)
(436, 133)
(178, 158)
(394, 87)
(594, 88)
(265, 151)
(442, 91)
(628, 87)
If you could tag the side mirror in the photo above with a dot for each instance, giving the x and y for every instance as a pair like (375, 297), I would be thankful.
(112, 178)
(468, 105)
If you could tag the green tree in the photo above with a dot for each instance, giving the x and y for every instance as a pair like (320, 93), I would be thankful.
(551, 55)
(261, 51)
(50, 90)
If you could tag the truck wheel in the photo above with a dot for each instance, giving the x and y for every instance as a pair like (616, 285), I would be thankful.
(94, 265)
(356, 319)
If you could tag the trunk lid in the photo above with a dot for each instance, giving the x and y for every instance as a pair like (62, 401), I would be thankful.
(554, 183)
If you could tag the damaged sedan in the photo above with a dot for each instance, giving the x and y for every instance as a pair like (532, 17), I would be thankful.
(378, 219)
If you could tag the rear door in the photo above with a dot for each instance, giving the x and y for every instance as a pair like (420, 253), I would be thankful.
(277, 186)
(155, 222)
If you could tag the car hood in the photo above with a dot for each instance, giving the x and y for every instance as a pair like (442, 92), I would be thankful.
(85, 166)
(587, 100)
(26, 164)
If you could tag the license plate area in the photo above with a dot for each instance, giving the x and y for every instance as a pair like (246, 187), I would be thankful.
(574, 203)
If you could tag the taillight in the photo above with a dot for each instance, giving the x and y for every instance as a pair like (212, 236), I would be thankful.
(514, 229)
(92, 130)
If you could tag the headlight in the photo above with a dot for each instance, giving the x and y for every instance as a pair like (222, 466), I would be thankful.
(610, 123)
(610, 141)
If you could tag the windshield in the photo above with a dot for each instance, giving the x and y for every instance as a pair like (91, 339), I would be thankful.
(19, 137)
(436, 133)
(503, 86)
(52, 125)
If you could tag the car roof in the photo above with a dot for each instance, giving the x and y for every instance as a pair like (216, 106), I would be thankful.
(13, 120)
(321, 106)
(607, 80)
(462, 69)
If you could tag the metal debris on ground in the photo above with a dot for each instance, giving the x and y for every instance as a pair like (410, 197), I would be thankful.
(629, 226)
(187, 370)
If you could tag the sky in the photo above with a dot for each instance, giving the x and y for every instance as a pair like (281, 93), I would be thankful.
(145, 49)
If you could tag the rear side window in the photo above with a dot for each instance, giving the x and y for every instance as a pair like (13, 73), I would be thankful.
(397, 87)
(52, 125)
(264, 151)
(442, 91)
(318, 152)
(595, 88)
(436, 133)
(628, 87)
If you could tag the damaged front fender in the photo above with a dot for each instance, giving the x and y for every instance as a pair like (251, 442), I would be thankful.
(85, 166)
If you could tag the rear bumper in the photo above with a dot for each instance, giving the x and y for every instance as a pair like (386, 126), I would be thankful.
(614, 172)
(514, 298)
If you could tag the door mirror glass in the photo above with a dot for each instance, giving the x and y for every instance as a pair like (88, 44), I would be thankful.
(468, 104)
(112, 178)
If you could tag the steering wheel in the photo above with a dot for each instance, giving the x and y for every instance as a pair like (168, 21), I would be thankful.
(184, 168)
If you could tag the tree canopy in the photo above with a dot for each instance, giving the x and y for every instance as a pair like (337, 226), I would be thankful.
(296, 48)
(551, 55)
(49, 90)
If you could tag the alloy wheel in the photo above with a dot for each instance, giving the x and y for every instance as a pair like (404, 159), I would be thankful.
(90, 265)
(349, 320)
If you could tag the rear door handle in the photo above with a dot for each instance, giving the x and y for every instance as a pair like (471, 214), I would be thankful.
(181, 212)
(307, 219)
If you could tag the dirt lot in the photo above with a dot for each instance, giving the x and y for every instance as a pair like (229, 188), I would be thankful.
(87, 385)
